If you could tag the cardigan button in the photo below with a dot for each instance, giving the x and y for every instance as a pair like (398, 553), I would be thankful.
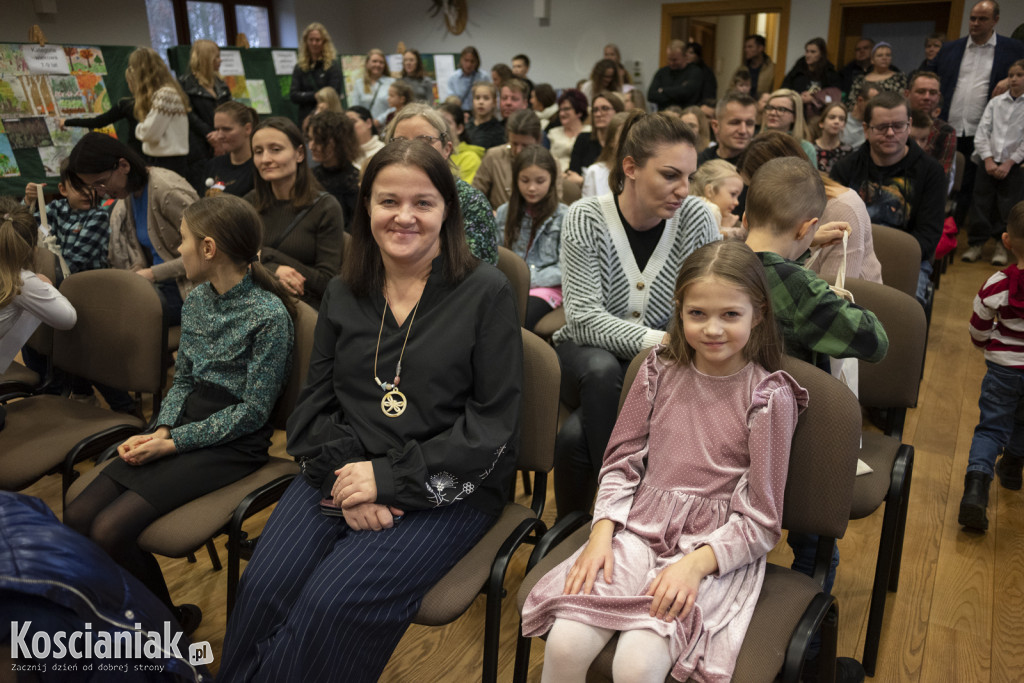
(639, 285)
(636, 314)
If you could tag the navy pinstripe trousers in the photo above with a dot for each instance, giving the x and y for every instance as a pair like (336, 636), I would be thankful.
(320, 602)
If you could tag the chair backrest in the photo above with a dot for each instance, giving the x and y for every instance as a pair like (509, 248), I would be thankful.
(634, 367)
(518, 273)
(542, 376)
(302, 350)
(893, 381)
(900, 256)
(823, 457)
(120, 335)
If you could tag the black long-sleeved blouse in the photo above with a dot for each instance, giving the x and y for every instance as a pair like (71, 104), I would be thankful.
(461, 376)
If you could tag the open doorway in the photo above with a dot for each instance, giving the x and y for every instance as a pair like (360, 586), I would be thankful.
(720, 27)
(904, 25)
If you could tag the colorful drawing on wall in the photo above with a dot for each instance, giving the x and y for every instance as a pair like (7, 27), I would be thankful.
(97, 100)
(52, 157)
(68, 96)
(259, 98)
(28, 133)
(37, 93)
(8, 164)
(286, 86)
(87, 59)
(238, 90)
(11, 60)
(353, 67)
(68, 137)
(12, 97)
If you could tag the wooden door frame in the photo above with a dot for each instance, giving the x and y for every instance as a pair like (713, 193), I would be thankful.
(956, 16)
(730, 7)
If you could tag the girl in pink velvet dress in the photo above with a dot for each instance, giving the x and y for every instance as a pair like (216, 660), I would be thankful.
(691, 491)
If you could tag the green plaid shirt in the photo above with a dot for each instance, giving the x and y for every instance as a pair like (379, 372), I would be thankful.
(815, 322)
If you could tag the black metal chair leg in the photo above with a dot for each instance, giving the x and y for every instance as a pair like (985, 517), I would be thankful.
(214, 557)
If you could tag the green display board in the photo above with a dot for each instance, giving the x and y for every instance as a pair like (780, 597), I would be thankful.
(31, 142)
(258, 64)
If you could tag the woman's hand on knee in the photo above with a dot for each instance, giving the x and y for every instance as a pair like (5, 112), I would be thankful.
(596, 556)
(355, 485)
(369, 517)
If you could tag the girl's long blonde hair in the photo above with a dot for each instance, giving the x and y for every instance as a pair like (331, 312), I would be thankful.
(18, 235)
(329, 53)
(147, 73)
(201, 62)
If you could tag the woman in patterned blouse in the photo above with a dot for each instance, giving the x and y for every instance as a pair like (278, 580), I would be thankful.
(418, 121)
(233, 360)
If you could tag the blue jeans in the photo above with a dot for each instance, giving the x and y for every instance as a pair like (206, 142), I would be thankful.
(804, 548)
(1001, 391)
(924, 278)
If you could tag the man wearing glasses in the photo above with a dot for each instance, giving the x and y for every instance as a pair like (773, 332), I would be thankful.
(902, 186)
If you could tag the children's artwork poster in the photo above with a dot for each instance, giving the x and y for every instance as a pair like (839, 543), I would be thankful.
(52, 158)
(11, 60)
(12, 97)
(284, 61)
(444, 67)
(87, 59)
(68, 95)
(285, 82)
(8, 164)
(259, 98)
(91, 85)
(45, 59)
(28, 133)
(66, 137)
(353, 69)
(237, 86)
(231, 63)
(37, 93)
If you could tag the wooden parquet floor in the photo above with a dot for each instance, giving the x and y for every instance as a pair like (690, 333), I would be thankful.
(959, 611)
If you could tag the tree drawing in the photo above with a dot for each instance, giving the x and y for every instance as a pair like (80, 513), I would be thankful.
(87, 55)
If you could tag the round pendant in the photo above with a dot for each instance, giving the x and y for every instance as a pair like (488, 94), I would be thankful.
(393, 404)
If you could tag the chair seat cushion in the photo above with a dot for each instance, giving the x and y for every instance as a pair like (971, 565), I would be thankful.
(42, 430)
(181, 531)
(869, 490)
(454, 593)
(19, 374)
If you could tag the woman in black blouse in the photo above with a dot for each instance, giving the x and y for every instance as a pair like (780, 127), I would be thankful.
(206, 91)
(317, 68)
(587, 148)
(333, 144)
(405, 431)
(302, 245)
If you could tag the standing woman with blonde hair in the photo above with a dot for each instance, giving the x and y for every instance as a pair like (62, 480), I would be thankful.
(317, 68)
(161, 108)
(371, 91)
(206, 91)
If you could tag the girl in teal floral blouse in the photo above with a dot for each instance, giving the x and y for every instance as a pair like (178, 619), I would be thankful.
(233, 361)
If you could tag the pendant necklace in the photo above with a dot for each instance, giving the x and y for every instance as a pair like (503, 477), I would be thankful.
(393, 404)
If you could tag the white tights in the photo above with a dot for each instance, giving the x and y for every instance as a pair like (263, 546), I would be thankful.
(641, 656)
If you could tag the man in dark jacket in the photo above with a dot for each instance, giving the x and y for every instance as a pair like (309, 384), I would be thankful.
(680, 83)
(902, 186)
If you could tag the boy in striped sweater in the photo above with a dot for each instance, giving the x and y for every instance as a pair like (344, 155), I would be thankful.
(998, 327)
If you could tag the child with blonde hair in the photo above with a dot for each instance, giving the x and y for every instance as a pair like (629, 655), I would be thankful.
(719, 184)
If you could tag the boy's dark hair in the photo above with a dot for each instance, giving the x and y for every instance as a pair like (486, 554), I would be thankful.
(524, 58)
(545, 94)
(757, 38)
(920, 119)
(783, 194)
(1015, 222)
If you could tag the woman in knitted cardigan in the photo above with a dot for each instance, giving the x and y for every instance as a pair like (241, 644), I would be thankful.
(161, 107)
(620, 255)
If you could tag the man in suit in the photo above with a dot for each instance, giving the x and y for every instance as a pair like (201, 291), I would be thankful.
(971, 71)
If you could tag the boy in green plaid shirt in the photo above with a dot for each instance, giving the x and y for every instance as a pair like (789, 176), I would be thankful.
(784, 202)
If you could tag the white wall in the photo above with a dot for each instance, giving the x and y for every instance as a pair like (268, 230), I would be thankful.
(110, 22)
(1011, 15)
(562, 51)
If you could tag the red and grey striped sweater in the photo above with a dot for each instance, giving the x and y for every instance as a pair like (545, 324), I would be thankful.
(997, 324)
